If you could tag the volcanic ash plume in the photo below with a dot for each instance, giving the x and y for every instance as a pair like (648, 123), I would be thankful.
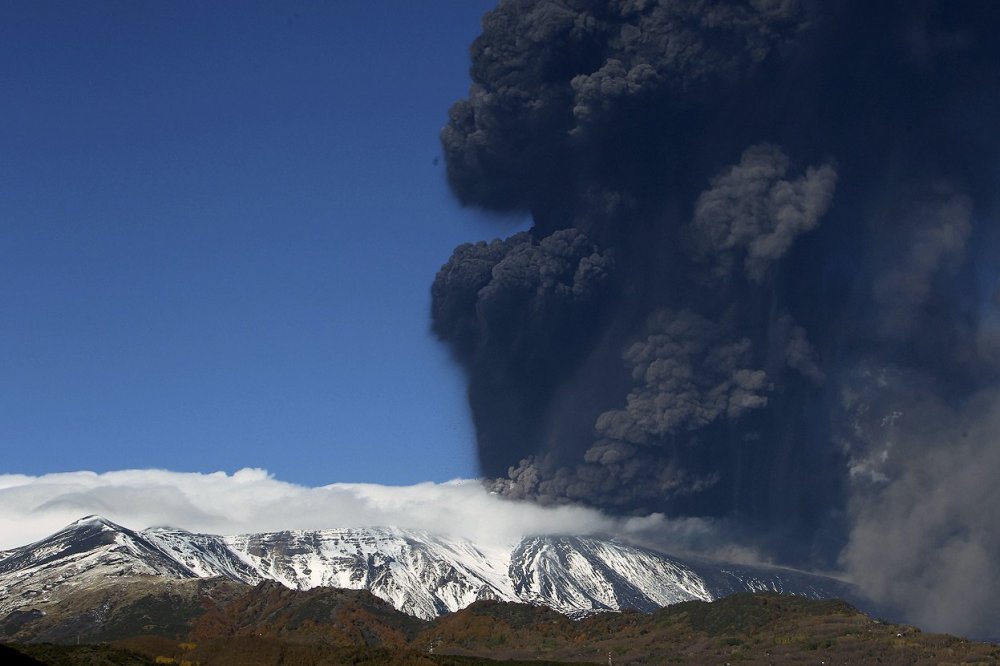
(759, 287)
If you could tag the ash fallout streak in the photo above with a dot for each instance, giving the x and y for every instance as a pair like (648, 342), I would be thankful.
(760, 282)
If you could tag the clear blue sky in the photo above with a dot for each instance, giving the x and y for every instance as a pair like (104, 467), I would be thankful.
(220, 224)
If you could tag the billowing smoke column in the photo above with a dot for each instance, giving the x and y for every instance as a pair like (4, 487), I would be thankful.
(760, 282)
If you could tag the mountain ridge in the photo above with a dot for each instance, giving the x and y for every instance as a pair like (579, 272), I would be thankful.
(418, 572)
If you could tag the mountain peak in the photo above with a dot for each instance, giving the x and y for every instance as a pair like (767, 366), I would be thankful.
(167, 528)
(92, 518)
(95, 520)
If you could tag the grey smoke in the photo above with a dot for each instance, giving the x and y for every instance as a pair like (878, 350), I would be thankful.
(924, 536)
(753, 212)
(934, 239)
(799, 352)
(685, 378)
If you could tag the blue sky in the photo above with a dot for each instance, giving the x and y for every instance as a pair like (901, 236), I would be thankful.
(220, 226)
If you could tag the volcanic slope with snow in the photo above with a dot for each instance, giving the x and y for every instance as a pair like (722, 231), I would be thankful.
(419, 573)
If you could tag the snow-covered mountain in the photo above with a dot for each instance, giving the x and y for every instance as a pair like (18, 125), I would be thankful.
(580, 575)
(87, 553)
(419, 573)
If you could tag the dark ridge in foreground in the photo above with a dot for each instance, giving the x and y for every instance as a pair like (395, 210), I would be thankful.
(247, 654)
(270, 624)
(13, 657)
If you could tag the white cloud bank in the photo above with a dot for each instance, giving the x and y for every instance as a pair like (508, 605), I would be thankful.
(251, 500)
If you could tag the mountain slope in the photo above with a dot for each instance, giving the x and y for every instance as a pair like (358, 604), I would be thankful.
(578, 575)
(419, 573)
(90, 553)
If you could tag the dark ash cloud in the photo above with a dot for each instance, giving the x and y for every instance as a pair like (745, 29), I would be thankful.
(763, 240)
(514, 312)
(564, 93)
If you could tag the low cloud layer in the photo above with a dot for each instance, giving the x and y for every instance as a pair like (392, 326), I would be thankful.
(251, 500)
